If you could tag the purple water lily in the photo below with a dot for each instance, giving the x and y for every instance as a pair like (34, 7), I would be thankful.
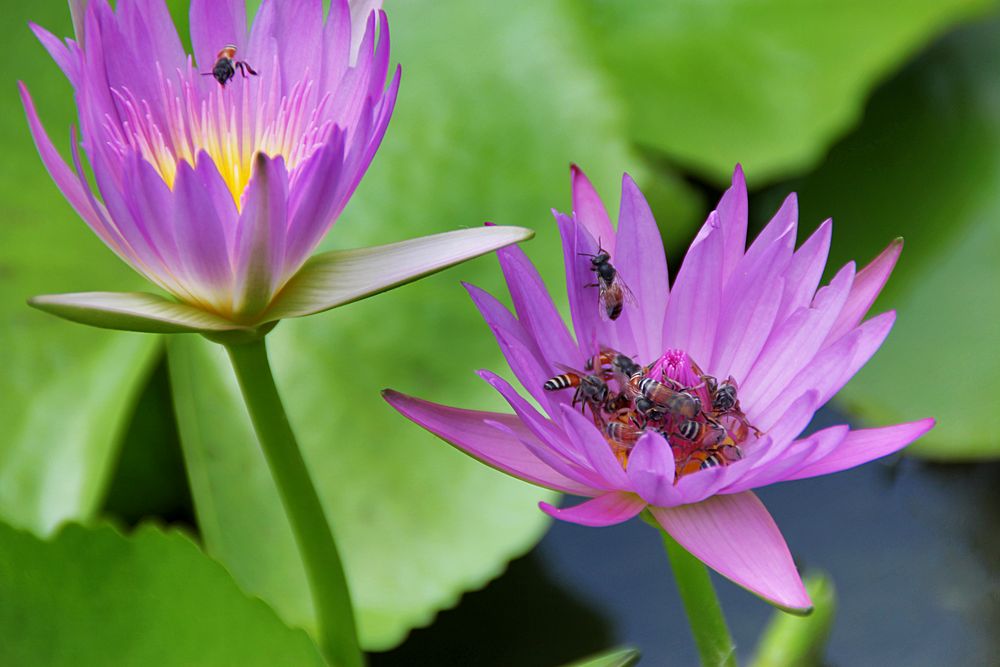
(218, 174)
(695, 394)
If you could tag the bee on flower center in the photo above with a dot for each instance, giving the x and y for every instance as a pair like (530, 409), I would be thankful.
(226, 65)
(681, 403)
(725, 402)
(614, 362)
(591, 390)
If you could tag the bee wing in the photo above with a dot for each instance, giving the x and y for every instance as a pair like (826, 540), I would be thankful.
(626, 292)
(569, 369)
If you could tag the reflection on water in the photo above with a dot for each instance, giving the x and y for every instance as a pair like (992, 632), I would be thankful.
(913, 549)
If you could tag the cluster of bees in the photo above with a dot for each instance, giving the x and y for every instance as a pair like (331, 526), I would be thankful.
(625, 401)
(702, 424)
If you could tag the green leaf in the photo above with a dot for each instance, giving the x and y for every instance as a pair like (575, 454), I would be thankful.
(770, 84)
(799, 641)
(67, 390)
(926, 165)
(622, 657)
(92, 596)
(471, 140)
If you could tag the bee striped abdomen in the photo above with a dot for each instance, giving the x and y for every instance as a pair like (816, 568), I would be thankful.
(564, 381)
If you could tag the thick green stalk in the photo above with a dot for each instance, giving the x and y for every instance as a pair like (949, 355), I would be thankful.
(338, 638)
(708, 625)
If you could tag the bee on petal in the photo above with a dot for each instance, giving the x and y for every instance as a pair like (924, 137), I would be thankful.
(612, 292)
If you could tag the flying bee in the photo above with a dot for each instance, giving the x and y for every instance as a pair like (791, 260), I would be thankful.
(226, 65)
(616, 361)
(612, 292)
(590, 389)
(679, 403)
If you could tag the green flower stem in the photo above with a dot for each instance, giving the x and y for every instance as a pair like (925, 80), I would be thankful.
(708, 625)
(338, 637)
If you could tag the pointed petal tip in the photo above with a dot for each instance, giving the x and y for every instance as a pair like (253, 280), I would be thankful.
(739, 176)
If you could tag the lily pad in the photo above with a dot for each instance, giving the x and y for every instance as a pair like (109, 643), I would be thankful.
(67, 390)
(93, 596)
(925, 164)
(770, 84)
(417, 522)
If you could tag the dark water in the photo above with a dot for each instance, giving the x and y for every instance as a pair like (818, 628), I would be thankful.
(913, 550)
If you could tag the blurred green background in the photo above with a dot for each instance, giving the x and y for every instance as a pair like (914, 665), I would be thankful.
(885, 116)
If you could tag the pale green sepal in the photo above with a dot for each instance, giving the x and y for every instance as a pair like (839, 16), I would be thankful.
(338, 277)
(132, 311)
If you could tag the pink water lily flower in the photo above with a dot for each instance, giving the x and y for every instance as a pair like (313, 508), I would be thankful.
(695, 394)
(218, 174)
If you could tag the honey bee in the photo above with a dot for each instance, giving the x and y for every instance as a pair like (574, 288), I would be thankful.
(681, 403)
(707, 434)
(612, 292)
(725, 401)
(623, 434)
(226, 65)
(703, 459)
(616, 361)
(617, 402)
(649, 410)
(590, 389)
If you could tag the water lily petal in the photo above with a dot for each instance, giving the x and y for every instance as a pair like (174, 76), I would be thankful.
(865, 445)
(201, 236)
(732, 211)
(132, 311)
(552, 446)
(794, 343)
(595, 448)
(589, 211)
(606, 510)
(517, 346)
(360, 15)
(803, 273)
(67, 59)
(214, 24)
(867, 286)
(782, 225)
(336, 43)
(298, 27)
(558, 463)
(535, 310)
(260, 236)
(693, 309)
(643, 268)
(337, 277)
(736, 536)
(651, 470)
(832, 367)
(468, 431)
(65, 179)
